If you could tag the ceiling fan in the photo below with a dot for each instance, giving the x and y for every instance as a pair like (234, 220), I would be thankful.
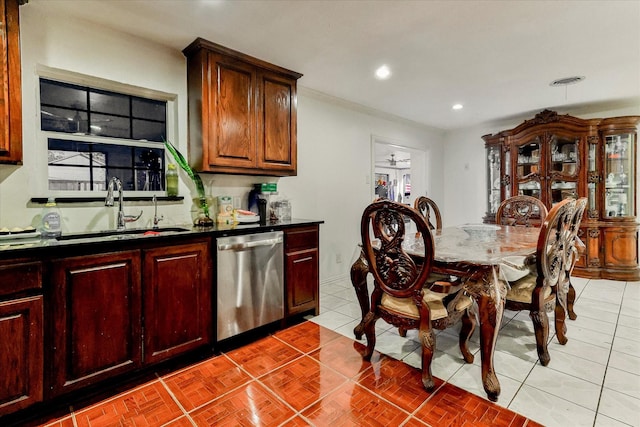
(393, 161)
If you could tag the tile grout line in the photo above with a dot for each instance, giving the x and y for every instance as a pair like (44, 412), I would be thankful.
(604, 378)
(175, 399)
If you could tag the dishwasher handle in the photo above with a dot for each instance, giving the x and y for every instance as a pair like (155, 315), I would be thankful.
(247, 245)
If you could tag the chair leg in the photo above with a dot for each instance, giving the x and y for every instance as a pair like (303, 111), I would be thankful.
(541, 327)
(370, 333)
(402, 331)
(428, 342)
(561, 327)
(571, 298)
(468, 326)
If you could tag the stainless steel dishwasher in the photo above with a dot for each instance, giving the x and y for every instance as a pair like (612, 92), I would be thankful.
(250, 283)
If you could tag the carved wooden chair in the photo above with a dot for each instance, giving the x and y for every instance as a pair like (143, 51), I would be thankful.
(401, 294)
(547, 286)
(521, 210)
(429, 209)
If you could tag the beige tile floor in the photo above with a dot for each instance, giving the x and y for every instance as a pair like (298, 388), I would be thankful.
(593, 380)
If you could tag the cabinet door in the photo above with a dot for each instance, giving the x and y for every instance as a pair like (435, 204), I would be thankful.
(277, 144)
(10, 95)
(621, 247)
(563, 167)
(302, 281)
(301, 269)
(21, 357)
(177, 294)
(96, 318)
(231, 136)
(528, 164)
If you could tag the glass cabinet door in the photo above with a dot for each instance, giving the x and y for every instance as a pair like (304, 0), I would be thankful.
(592, 180)
(619, 173)
(563, 168)
(528, 169)
(493, 179)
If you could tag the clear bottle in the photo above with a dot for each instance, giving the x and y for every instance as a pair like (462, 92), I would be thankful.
(51, 223)
(172, 180)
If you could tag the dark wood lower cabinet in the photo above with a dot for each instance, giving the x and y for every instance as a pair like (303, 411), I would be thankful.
(301, 270)
(115, 313)
(177, 300)
(96, 319)
(21, 357)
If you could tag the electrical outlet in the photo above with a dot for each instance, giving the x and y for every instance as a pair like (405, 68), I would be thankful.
(338, 258)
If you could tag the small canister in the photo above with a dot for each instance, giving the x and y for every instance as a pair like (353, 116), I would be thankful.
(225, 205)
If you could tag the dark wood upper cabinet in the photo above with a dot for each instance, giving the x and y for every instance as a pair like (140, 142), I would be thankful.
(242, 112)
(11, 95)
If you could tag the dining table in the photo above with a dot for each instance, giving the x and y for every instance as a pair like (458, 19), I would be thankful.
(478, 255)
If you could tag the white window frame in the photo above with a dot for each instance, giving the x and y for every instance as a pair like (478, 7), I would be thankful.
(44, 72)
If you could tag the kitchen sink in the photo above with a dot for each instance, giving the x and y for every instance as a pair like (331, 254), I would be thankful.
(122, 234)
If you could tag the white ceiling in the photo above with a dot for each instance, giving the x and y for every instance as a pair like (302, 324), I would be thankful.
(497, 58)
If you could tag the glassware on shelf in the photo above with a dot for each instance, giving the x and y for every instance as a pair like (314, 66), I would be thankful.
(618, 168)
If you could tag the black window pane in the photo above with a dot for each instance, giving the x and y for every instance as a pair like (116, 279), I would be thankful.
(109, 103)
(149, 109)
(125, 176)
(63, 95)
(115, 155)
(106, 125)
(63, 120)
(150, 131)
(150, 169)
(61, 152)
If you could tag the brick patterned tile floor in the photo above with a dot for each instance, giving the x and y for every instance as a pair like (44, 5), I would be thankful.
(306, 375)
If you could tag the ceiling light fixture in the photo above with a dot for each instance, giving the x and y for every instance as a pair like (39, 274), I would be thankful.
(457, 107)
(383, 72)
(567, 81)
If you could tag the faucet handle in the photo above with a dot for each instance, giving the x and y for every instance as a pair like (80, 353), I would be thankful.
(156, 220)
(132, 218)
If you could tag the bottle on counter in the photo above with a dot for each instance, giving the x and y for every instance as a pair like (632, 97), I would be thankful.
(172, 180)
(51, 223)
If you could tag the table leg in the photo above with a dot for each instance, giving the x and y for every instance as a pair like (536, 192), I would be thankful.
(359, 271)
(489, 294)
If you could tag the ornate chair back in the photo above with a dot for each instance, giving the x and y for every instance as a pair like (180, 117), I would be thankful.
(394, 271)
(429, 210)
(401, 294)
(553, 254)
(521, 210)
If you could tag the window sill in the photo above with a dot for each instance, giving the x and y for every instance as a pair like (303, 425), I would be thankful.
(43, 200)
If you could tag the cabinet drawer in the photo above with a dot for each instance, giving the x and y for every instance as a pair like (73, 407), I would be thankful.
(21, 275)
(301, 238)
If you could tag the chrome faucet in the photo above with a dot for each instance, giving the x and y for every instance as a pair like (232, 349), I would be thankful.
(156, 218)
(122, 218)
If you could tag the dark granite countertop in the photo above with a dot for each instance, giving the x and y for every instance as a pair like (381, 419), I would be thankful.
(88, 242)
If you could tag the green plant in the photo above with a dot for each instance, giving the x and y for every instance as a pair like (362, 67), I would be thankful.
(182, 162)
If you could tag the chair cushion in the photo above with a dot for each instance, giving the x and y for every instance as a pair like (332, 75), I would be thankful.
(406, 307)
(522, 289)
(514, 268)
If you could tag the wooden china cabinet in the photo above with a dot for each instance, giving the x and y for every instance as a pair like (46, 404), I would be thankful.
(242, 112)
(552, 157)
(11, 95)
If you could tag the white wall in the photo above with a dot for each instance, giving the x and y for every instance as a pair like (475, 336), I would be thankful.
(334, 139)
(334, 171)
(465, 162)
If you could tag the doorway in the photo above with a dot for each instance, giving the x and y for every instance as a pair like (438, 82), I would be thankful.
(399, 172)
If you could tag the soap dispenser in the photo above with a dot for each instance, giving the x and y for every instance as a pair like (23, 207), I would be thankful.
(51, 223)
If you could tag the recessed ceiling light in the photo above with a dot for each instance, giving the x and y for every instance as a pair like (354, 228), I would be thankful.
(567, 81)
(383, 72)
(457, 106)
